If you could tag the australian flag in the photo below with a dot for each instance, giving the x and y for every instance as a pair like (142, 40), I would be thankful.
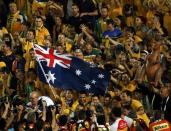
(67, 72)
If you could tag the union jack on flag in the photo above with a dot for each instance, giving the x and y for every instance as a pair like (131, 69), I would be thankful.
(52, 57)
(67, 72)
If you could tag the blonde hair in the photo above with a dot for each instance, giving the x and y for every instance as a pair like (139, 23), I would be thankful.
(12, 4)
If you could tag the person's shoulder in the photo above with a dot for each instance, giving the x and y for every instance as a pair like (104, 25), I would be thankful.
(117, 30)
(106, 32)
(114, 126)
(44, 29)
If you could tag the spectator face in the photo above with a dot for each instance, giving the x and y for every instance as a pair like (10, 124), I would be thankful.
(47, 43)
(34, 99)
(82, 99)
(89, 48)
(58, 21)
(69, 95)
(32, 54)
(79, 55)
(19, 75)
(38, 22)
(138, 21)
(104, 12)
(29, 36)
(95, 100)
(61, 39)
(116, 103)
(128, 34)
(164, 91)
(117, 92)
(110, 27)
(4, 48)
(125, 111)
(13, 8)
(125, 98)
(106, 101)
(117, 21)
(60, 49)
(75, 10)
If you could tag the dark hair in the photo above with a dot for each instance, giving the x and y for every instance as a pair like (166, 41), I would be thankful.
(101, 119)
(8, 43)
(129, 7)
(104, 7)
(122, 19)
(116, 98)
(130, 29)
(7, 36)
(116, 111)
(95, 95)
(4, 70)
(110, 21)
(99, 109)
(39, 17)
(107, 95)
(82, 92)
(160, 17)
(33, 31)
(74, 4)
(63, 119)
(128, 107)
(143, 19)
(89, 113)
(18, 51)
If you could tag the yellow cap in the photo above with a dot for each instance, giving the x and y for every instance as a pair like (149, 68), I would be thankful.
(2, 64)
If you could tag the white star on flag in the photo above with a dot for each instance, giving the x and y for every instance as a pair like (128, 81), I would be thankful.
(78, 72)
(93, 82)
(50, 77)
(101, 76)
(87, 86)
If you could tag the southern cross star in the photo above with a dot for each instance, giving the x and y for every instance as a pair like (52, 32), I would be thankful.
(101, 76)
(93, 82)
(87, 86)
(78, 72)
(50, 77)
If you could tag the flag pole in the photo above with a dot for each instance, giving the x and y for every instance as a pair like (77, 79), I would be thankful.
(51, 87)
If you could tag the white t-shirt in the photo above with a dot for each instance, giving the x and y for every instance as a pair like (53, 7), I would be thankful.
(119, 125)
(128, 120)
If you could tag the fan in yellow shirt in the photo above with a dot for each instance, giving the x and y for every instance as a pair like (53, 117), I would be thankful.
(65, 42)
(41, 31)
(27, 44)
(126, 98)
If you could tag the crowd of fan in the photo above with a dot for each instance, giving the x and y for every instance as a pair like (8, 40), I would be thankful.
(129, 38)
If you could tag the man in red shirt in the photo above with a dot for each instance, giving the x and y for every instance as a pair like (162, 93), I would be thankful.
(117, 123)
